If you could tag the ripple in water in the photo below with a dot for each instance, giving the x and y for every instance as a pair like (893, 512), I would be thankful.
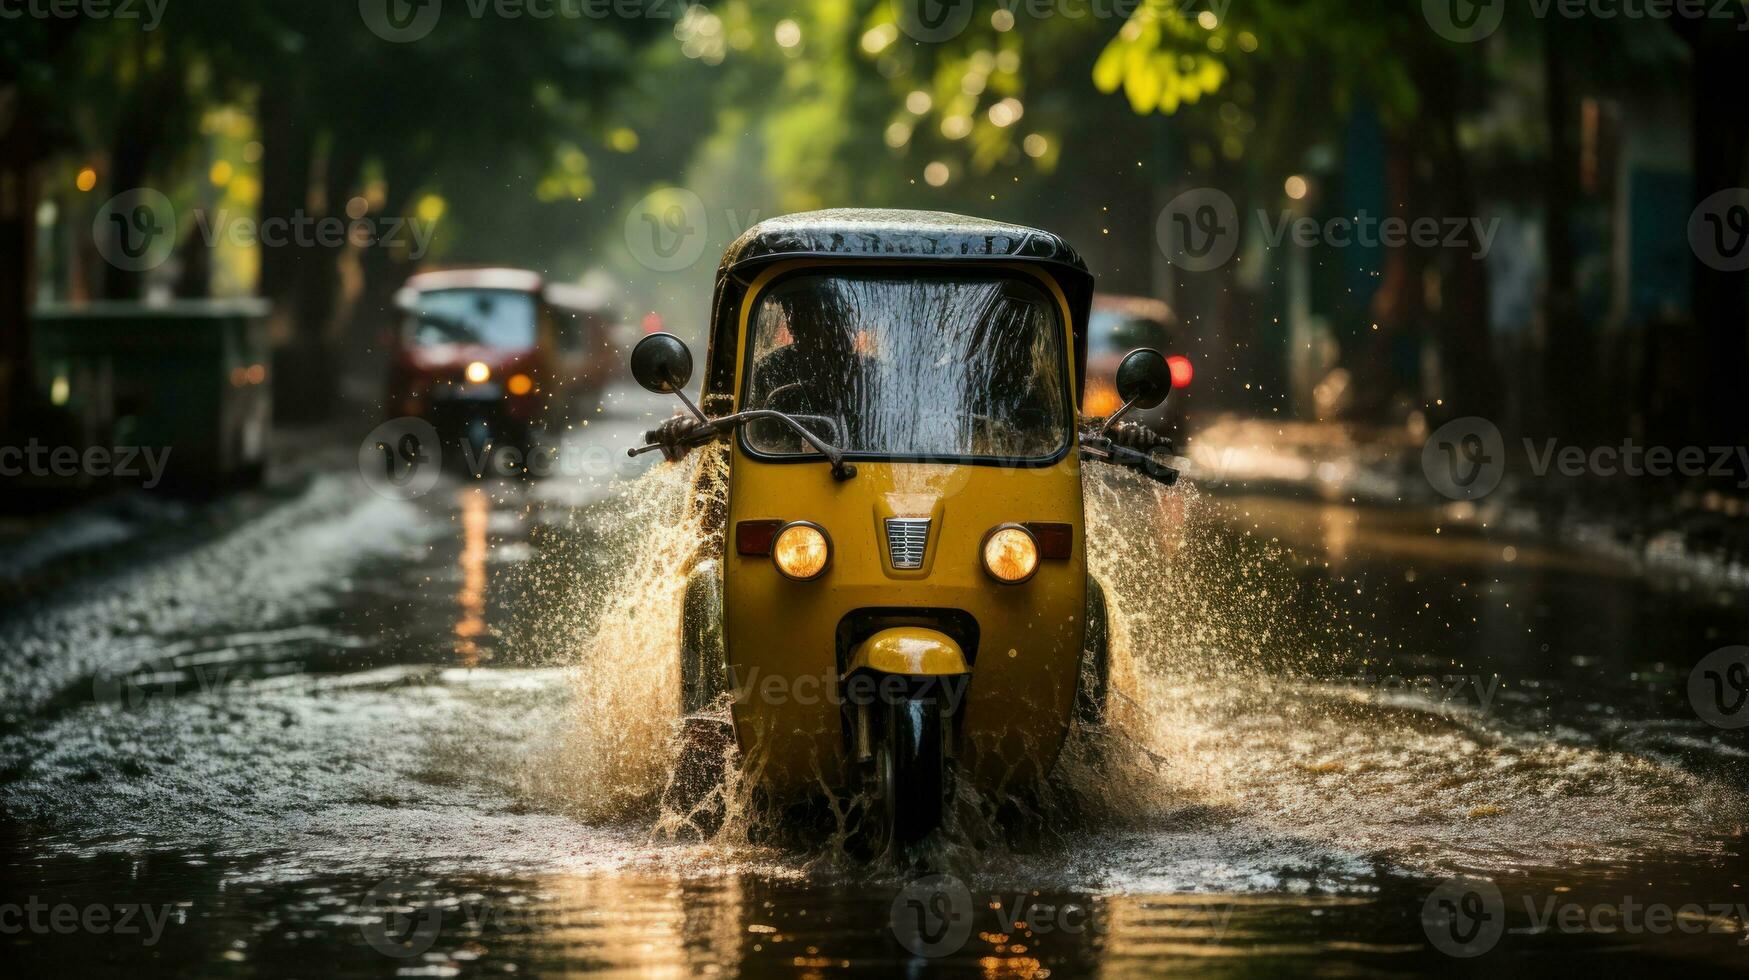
(1221, 651)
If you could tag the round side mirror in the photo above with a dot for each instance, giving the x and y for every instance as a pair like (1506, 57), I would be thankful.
(1144, 378)
(662, 363)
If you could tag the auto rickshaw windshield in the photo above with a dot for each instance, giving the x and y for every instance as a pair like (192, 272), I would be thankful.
(500, 318)
(961, 366)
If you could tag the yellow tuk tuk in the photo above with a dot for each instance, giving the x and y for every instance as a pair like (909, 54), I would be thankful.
(901, 600)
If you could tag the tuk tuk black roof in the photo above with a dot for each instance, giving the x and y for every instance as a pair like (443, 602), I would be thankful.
(873, 233)
(864, 234)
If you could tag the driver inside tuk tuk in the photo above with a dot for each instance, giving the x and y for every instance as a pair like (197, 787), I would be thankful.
(910, 366)
(906, 365)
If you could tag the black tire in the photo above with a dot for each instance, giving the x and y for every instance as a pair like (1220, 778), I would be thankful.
(918, 778)
(703, 666)
(694, 787)
(1093, 686)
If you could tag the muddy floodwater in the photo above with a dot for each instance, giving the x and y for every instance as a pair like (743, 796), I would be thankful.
(355, 735)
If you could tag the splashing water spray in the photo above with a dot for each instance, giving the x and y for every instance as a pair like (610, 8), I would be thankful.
(1217, 647)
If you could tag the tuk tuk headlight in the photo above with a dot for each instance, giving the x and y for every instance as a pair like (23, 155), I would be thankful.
(801, 550)
(1010, 554)
(478, 372)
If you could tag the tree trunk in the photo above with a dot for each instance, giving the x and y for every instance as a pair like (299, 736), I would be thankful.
(1398, 307)
(141, 135)
(285, 191)
(20, 187)
(1470, 376)
(1567, 371)
(305, 384)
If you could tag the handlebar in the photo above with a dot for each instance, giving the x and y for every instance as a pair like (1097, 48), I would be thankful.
(714, 427)
(1097, 446)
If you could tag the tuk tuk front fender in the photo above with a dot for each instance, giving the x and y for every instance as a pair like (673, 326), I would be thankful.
(911, 651)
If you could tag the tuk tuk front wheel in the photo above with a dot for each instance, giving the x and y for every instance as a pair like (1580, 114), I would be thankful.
(912, 771)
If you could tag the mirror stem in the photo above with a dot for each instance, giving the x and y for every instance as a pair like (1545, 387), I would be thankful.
(1115, 416)
(681, 394)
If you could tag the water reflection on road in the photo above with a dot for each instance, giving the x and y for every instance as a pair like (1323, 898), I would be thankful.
(345, 740)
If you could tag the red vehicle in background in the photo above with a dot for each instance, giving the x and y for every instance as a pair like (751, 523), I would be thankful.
(499, 355)
(1118, 325)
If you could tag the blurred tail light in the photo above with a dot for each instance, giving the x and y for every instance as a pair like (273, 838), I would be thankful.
(1181, 370)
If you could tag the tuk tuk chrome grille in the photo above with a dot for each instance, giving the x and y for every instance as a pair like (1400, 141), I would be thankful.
(907, 538)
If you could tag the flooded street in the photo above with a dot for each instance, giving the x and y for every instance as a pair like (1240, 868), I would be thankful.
(354, 735)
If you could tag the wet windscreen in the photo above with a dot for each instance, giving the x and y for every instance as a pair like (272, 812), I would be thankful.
(905, 365)
(474, 317)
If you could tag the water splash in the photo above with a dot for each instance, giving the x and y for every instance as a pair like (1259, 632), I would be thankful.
(615, 624)
(1227, 668)
(1229, 736)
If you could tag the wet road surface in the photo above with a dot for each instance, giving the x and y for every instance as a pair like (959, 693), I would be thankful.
(357, 735)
